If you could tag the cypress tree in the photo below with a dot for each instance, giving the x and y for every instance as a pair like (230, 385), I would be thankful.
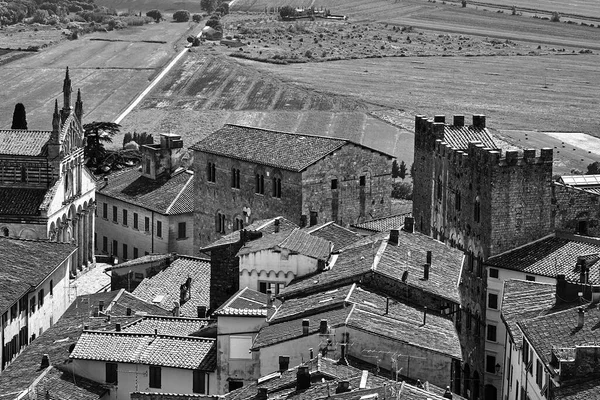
(19, 117)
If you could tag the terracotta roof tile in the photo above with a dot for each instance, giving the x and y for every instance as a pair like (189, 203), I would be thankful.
(325, 300)
(551, 256)
(21, 201)
(57, 384)
(163, 288)
(458, 137)
(383, 224)
(162, 350)
(296, 241)
(150, 258)
(246, 302)
(336, 234)
(23, 142)
(161, 195)
(177, 326)
(579, 391)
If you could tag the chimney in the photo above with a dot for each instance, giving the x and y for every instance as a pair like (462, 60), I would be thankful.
(459, 120)
(276, 226)
(439, 118)
(583, 275)
(86, 327)
(580, 317)
(284, 363)
(155, 332)
(303, 378)
(479, 121)
(128, 311)
(409, 224)
(427, 266)
(262, 394)
(394, 236)
(201, 310)
(269, 299)
(176, 309)
(343, 360)
(343, 387)
(561, 288)
(311, 354)
(387, 305)
(323, 327)
(118, 327)
(447, 393)
(101, 306)
(424, 315)
(305, 326)
(45, 361)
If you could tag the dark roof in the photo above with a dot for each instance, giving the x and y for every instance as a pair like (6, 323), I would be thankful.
(246, 302)
(62, 385)
(23, 142)
(24, 264)
(458, 137)
(186, 352)
(327, 299)
(150, 258)
(383, 224)
(166, 195)
(578, 391)
(56, 340)
(336, 234)
(171, 396)
(296, 241)
(551, 256)
(560, 330)
(266, 226)
(178, 326)
(524, 300)
(163, 289)
(21, 201)
(290, 151)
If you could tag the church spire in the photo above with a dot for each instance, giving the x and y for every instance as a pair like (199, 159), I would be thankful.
(79, 106)
(66, 111)
(55, 123)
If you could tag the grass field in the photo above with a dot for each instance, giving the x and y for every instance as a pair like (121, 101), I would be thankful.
(109, 74)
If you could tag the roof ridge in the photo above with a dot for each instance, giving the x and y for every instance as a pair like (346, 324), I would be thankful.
(379, 254)
(147, 334)
(553, 234)
(190, 179)
(319, 227)
(290, 133)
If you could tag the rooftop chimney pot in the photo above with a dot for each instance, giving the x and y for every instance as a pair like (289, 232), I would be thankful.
(284, 363)
(128, 311)
(409, 224)
(45, 361)
(303, 378)
(305, 326)
(118, 327)
(323, 328)
(394, 236)
(580, 317)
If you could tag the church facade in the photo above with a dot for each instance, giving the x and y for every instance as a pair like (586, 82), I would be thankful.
(46, 192)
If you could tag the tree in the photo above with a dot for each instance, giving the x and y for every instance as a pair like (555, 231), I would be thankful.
(19, 117)
(96, 134)
(208, 5)
(127, 138)
(155, 14)
(215, 23)
(402, 173)
(286, 12)
(395, 169)
(402, 190)
(181, 16)
(412, 171)
(223, 9)
(593, 168)
(196, 17)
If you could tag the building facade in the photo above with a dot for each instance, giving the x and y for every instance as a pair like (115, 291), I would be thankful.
(46, 192)
(245, 174)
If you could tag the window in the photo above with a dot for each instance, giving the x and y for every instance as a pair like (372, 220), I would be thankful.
(235, 178)
(146, 224)
(259, 184)
(582, 228)
(239, 223)
(334, 184)
(13, 312)
(135, 252)
(477, 210)
(458, 320)
(199, 383)
(138, 276)
(220, 223)
(115, 248)
(493, 301)
(530, 278)
(233, 385)
(159, 229)
(313, 218)
(135, 221)
(491, 333)
(32, 305)
(439, 187)
(40, 298)
(111, 373)
(277, 188)
(5, 232)
(115, 214)
(274, 287)
(148, 166)
(124, 255)
(211, 172)
(539, 373)
(105, 211)
(490, 364)
(23, 174)
(51, 287)
(457, 201)
(494, 273)
(124, 217)
(105, 244)
(239, 347)
(362, 180)
(155, 373)
(181, 230)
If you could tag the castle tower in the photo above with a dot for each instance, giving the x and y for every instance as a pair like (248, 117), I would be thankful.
(67, 90)
(79, 106)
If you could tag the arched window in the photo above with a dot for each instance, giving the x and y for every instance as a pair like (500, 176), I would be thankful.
(235, 178)
(276, 190)
(259, 183)
(5, 232)
(220, 222)
(23, 174)
(211, 172)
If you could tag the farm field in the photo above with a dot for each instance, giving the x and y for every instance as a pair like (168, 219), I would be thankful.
(143, 6)
(109, 73)
(576, 7)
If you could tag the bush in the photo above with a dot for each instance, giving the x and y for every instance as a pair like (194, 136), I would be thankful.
(223, 9)
(40, 17)
(196, 17)
(287, 12)
(136, 21)
(214, 22)
(208, 5)
(555, 17)
(402, 190)
(154, 14)
(181, 16)
(463, 3)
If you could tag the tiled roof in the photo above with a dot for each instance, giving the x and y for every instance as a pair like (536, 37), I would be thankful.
(266, 226)
(411, 254)
(167, 283)
(290, 151)
(458, 137)
(246, 302)
(171, 396)
(150, 258)
(312, 304)
(23, 142)
(336, 234)
(21, 201)
(578, 391)
(383, 224)
(281, 332)
(61, 385)
(296, 241)
(162, 350)
(166, 195)
(551, 256)
(56, 340)
(524, 300)
(164, 325)
(24, 264)
(560, 330)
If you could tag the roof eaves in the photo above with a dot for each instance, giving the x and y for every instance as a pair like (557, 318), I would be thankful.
(176, 199)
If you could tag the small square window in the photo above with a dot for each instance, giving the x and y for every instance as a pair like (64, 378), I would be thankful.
(334, 184)
(493, 301)
(491, 333)
(363, 180)
(493, 273)
(181, 231)
(155, 377)
(490, 364)
(530, 278)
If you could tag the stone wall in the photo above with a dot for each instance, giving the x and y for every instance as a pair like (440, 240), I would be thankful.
(575, 210)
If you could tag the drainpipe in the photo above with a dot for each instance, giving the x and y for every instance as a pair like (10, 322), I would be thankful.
(152, 232)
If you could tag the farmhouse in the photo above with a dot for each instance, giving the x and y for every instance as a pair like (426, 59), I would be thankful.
(46, 192)
(244, 174)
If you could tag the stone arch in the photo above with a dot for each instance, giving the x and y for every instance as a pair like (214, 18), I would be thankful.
(4, 231)
(28, 233)
(491, 393)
